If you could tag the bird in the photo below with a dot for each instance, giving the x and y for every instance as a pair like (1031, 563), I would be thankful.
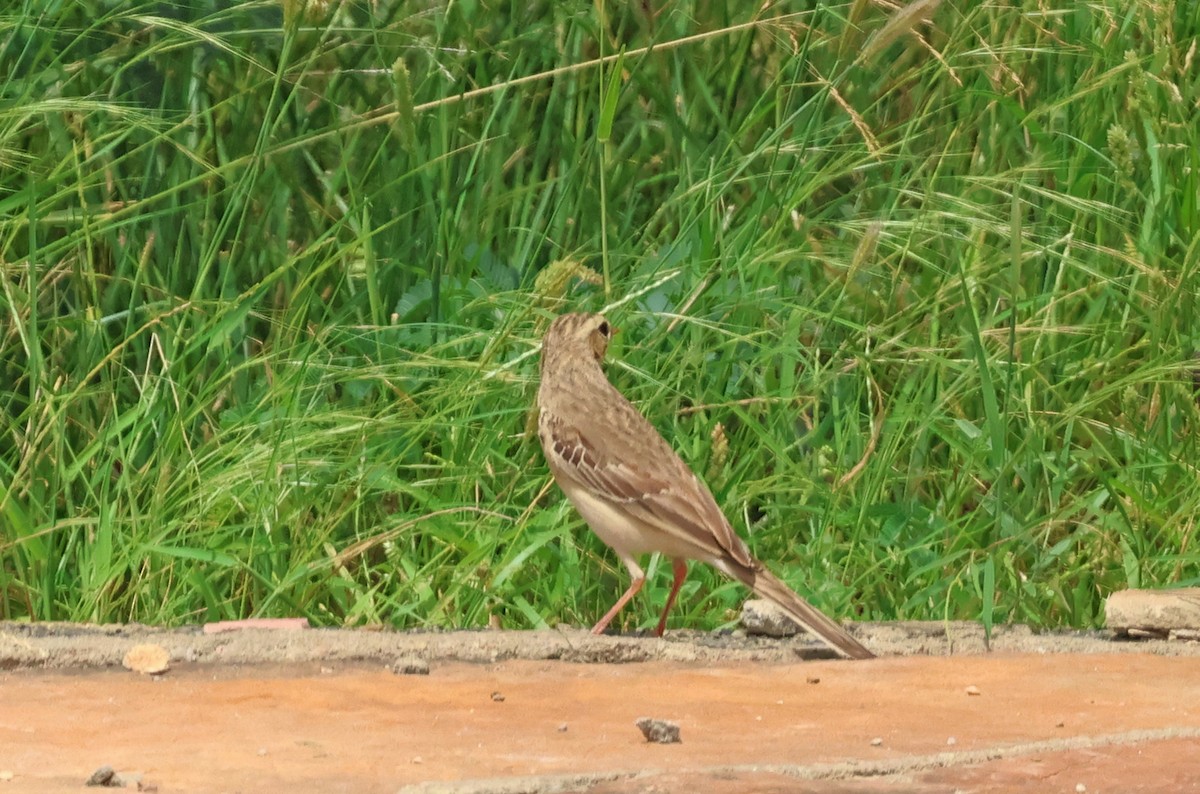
(634, 490)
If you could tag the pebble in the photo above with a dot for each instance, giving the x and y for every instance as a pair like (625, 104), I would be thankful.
(659, 731)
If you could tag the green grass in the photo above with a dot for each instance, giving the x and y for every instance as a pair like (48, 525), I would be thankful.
(922, 308)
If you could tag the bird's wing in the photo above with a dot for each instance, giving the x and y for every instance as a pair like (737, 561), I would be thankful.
(659, 490)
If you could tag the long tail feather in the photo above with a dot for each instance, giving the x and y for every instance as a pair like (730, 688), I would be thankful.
(765, 584)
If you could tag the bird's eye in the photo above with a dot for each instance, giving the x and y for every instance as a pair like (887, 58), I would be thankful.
(604, 328)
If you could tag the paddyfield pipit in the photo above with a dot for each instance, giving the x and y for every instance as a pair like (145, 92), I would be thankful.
(631, 487)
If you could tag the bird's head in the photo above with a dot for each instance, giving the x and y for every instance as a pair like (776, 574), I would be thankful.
(579, 333)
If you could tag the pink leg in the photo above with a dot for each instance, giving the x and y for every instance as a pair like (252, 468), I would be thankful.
(680, 569)
(634, 586)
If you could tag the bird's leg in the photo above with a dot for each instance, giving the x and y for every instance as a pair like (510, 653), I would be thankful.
(639, 579)
(680, 568)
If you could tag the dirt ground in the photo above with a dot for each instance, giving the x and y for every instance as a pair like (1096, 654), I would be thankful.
(554, 711)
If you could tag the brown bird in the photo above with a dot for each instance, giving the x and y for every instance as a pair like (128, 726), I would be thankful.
(631, 487)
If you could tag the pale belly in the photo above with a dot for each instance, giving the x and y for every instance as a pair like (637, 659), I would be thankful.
(630, 537)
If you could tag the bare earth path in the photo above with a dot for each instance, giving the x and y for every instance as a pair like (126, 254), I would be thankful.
(317, 710)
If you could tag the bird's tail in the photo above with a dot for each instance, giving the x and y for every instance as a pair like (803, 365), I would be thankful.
(765, 584)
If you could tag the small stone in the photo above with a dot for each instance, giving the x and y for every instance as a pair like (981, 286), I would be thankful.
(496, 696)
(1080, 788)
(147, 659)
(102, 776)
(409, 665)
(562, 728)
(764, 618)
(973, 691)
(6, 776)
(951, 741)
(812, 679)
(658, 731)
(877, 741)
